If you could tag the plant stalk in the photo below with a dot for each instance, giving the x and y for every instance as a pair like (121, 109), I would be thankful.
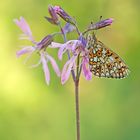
(76, 77)
(77, 108)
(77, 103)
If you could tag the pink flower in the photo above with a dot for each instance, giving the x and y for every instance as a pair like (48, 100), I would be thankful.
(40, 47)
(76, 47)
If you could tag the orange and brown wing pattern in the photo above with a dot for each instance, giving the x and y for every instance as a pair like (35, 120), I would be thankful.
(103, 62)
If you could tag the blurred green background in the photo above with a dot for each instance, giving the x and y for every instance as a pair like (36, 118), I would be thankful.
(31, 110)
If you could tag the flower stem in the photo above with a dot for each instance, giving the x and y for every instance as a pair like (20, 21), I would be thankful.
(77, 99)
(76, 77)
(77, 108)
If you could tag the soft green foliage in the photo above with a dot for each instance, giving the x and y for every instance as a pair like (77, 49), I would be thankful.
(31, 110)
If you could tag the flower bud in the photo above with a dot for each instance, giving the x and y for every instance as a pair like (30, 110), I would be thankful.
(54, 18)
(68, 28)
(46, 41)
(101, 24)
(64, 15)
(83, 40)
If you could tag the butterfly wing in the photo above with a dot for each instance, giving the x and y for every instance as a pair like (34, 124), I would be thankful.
(103, 62)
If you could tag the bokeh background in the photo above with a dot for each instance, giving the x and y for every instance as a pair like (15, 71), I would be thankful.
(31, 110)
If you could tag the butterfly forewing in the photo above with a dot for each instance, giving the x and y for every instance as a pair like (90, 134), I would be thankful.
(103, 62)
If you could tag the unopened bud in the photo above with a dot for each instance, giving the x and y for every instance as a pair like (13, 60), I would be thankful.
(68, 28)
(46, 41)
(64, 15)
(101, 24)
(83, 40)
(54, 18)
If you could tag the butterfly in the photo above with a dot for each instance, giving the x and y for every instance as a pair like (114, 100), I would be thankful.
(103, 62)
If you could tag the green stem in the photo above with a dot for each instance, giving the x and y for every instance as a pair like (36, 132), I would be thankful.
(76, 81)
(77, 99)
(77, 109)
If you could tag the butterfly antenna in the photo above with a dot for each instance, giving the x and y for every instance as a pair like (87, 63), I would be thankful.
(100, 18)
(94, 33)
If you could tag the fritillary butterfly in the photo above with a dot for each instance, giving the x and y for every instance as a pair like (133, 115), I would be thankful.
(103, 62)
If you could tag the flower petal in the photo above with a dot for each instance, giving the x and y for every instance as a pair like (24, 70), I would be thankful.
(45, 68)
(23, 25)
(55, 45)
(73, 44)
(67, 69)
(36, 65)
(86, 71)
(70, 45)
(25, 50)
(62, 48)
(61, 51)
(54, 65)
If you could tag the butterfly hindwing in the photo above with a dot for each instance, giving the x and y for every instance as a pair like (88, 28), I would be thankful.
(103, 62)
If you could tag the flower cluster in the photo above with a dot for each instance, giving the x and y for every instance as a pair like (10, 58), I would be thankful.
(76, 49)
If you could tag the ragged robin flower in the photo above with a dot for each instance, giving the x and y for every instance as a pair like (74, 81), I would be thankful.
(76, 47)
(39, 47)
